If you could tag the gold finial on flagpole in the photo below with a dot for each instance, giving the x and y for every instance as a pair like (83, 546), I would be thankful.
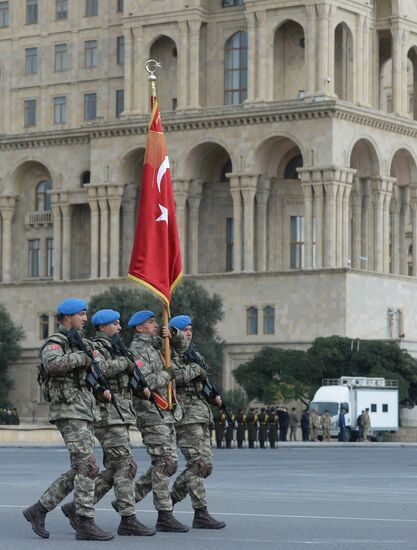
(151, 67)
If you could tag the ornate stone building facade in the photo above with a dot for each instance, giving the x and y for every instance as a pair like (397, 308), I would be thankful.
(292, 137)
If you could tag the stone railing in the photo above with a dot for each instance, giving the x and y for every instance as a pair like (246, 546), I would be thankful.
(39, 218)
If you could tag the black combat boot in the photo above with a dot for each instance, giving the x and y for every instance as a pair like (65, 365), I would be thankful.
(131, 526)
(114, 504)
(69, 511)
(167, 523)
(35, 515)
(203, 520)
(88, 530)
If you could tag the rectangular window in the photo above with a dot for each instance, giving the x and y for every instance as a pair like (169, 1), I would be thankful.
(61, 57)
(31, 61)
(49, 257)
(61, 9)
(269, 320)
(43, 326)
(385, 407)
(229, 244)
(31, 12)
(30, 113)
(34, 257)
(91, 8)
(90, 106)
(120, 5)
(120, 102)
(373, 408)
(90, 49)
(120, 50)
(60, 109)
(230, 3)
(297, 242)
(389, 104)
(4, 14)
(252, 320)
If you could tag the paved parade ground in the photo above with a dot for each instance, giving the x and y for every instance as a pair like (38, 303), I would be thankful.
(330, 498)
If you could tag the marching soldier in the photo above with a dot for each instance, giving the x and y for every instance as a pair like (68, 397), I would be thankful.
(112, 432)
(241, 428)
(273, 428)
(252, 423)
(158, 433)
(263, 428)
(229, 431)
(219, 428)
(326, 425)
(193, 429)
(72, 410)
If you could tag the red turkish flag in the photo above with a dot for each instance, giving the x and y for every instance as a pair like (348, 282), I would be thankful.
(156, 255)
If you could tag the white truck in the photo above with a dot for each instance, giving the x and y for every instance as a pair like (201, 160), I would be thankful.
(355, 394)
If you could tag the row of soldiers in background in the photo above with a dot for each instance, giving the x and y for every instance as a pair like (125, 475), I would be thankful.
(268, 425)
(9, 417)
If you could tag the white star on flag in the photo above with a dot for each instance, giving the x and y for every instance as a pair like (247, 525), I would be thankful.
(164, 214)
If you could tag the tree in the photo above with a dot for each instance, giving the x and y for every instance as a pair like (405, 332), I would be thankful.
(236, 399)
(190, 298)
(10, 349)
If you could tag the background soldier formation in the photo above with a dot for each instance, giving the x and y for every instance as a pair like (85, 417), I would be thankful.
(89, 387)
(9, 417)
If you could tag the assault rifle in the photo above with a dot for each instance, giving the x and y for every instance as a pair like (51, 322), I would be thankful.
(210, 390)
(137, 382)
(95, 379)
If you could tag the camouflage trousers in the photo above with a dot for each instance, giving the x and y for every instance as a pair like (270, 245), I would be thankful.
(160, 443)
(195, 443)
(326, 434)
(120, 467)
(79, 439)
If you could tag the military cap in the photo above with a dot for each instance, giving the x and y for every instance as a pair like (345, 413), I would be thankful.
(180, 322)
(71, 306)
(140, 317)
(105, 317)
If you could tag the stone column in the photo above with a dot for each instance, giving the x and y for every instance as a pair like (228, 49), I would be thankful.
(262, 197)
(358, 67)
(397, 67)
(129, 69)
(7, 206)
(346, 223)
(339, 226)
(181, 188)
(194, 79)
(104, 231)
(248, 189)
(395, 233)
(194, 200)
(388, 185)
(330, 87)
(311, 48)
(183, 66)
(262, 59)
(66, 240)
(369, 225)
(356, 227)
(404, 211)
(57, 233)
(308, 224)
(330, 229)
(128, 223)
(252, 64)
(237, 220)
(319, 212)
(94, 232)
(115, 202)
(140, 99)
(378, 198)
(413, 204)
(323, 39)
(367, 65)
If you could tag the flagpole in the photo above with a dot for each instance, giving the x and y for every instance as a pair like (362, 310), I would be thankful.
(151, 67)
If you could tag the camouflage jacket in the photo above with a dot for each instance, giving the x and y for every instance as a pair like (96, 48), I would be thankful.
(114, 368)
(65, 367)
(147, 351)
(188, 384)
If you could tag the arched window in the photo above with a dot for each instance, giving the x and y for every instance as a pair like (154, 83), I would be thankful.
(236, 69)
(85, 178)
(42, 197)
(269, 320)
(252, 320)
(290, 172)
(227, 169)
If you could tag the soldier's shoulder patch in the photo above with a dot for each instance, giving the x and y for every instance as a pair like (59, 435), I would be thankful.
(53, 346)
(139, 363)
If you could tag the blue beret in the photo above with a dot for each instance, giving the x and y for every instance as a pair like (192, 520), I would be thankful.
(105, 317)
(140, 317)
(71, 306)
(180, 322)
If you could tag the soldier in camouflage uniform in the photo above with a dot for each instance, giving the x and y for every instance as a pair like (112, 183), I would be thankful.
(158, 433)
(112, 432)
(194, 428)
(72, 410)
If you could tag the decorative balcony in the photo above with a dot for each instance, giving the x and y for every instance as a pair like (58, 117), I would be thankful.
(37, 219)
